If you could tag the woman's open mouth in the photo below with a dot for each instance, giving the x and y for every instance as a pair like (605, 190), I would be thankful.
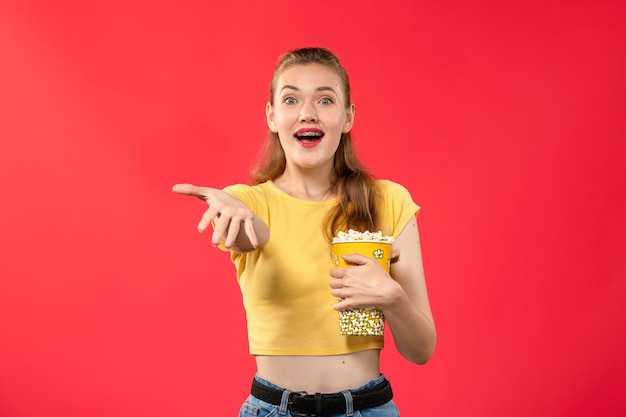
(308, 136)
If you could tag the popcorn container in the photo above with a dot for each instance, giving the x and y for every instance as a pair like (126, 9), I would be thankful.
(367, 321)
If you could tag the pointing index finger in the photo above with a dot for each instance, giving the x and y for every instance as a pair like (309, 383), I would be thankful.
(192, 190)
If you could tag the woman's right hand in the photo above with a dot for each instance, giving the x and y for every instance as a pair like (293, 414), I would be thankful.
(228, 214)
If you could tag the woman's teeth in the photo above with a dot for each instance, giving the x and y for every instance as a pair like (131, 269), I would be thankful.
(309, 135)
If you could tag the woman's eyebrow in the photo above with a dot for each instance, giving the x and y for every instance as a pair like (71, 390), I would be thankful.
(289, 87)
(326, 89)
(293, 87)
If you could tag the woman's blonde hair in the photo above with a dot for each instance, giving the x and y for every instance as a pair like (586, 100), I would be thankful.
(353, 183)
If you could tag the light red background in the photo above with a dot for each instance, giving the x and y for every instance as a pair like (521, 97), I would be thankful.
(504, 119)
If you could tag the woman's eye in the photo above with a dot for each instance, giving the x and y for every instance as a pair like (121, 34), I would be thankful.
(289, 100)
(326, 101)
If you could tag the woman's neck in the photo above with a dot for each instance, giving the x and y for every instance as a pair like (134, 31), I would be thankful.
(310, 186)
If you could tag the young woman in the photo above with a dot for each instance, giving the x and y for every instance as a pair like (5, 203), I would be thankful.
(307, 186)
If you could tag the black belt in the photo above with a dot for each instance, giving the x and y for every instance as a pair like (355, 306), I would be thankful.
(318, 404)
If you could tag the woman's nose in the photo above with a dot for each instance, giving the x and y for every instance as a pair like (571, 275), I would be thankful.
(308, 113)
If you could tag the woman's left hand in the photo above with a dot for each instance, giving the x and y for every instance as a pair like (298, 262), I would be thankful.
(364, 283)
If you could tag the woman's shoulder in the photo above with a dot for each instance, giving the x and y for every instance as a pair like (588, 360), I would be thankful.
(397, 205)
(249, 193)
(394, 193)
(390, 187)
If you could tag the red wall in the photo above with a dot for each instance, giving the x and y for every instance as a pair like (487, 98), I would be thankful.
(505, 120)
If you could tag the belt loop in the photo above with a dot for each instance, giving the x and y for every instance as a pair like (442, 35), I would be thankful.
(318, 404)
(349, 403)
(284, 402)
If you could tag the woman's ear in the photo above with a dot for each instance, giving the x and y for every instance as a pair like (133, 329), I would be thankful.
(349, 118)
(269, 115)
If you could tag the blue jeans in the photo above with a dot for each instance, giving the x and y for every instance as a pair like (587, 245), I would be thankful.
(253, 407)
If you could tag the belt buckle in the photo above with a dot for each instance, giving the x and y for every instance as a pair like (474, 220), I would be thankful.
(295, 394)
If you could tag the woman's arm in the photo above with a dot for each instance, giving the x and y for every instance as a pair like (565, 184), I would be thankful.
(227, 214)
(408, 312)
(403, 298)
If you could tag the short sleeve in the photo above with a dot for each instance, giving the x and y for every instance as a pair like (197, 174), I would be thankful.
(399, 207)
(242, 192)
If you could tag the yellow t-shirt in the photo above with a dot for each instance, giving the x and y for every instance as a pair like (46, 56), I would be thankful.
(285, 283)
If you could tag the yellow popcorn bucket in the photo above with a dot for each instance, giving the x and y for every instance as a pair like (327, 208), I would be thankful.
(367, 321)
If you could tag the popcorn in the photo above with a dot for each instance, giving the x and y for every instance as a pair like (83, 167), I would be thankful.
(352, 235)
(367, 321)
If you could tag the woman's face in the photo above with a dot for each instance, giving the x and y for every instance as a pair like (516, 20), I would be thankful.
(309, 114)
